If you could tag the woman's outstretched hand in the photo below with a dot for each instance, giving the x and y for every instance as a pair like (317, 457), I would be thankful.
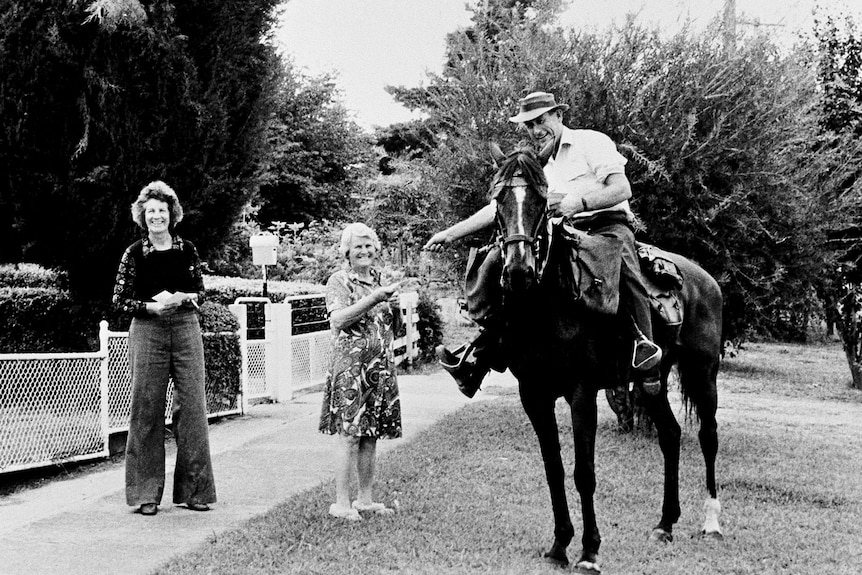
(387, 293)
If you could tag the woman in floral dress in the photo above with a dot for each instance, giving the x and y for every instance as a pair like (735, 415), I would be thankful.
(360, 400)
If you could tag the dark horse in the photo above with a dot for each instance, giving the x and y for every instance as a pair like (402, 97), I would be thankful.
(556, 348)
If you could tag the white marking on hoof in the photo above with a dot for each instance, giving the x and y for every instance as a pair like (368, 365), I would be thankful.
(660, 536)
(712, 511)
(588, 568)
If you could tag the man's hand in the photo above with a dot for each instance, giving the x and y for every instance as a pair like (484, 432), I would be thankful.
(554, 200)
(437, 242)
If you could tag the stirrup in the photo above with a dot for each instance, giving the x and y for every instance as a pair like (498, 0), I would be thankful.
(646, 355)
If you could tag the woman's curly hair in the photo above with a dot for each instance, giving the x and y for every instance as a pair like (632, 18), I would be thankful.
(157, 190)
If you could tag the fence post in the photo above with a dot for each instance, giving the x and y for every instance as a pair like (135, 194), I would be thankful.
(103, 386)
(240, 312)
(409, 301)
(282, 351)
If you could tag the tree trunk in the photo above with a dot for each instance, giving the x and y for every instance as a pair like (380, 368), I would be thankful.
(850, 322)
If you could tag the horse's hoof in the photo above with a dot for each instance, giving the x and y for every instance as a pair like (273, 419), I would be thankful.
(585, 567)
(714, 535)
(557, 558)
(660, 535)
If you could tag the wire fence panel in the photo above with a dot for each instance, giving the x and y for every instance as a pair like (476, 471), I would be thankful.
(256, 387)
(310, 358)
(50, 410)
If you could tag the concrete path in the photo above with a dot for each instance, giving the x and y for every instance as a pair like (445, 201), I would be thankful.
(83, 526)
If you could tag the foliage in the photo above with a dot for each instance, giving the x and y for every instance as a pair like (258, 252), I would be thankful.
(306, 253)
(217, 318)
(840, 72)
(225, 290)
(223, 362)
(402, 208)
(43, 319)
(838, 53)
(318, 154)
(407, 139)
(83, 131)
(712, 141)
(31, 275)
(430, 326)
(309, 253)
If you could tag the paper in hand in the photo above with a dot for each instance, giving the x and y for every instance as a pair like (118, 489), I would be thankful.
(165, 297)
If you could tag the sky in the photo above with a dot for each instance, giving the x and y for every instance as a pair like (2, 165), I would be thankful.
(370, 44)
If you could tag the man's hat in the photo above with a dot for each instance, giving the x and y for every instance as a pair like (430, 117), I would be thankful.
(534, 105)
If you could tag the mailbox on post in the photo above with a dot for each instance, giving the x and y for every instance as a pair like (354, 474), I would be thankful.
(264, 252)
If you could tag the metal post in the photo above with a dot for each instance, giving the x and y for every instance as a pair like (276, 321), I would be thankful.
(104, 388)
(241, 313)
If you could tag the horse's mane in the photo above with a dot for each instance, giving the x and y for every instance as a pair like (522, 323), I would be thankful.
(525, 161)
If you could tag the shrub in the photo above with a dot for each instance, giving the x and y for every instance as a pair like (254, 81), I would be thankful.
(43, 319)
(225, 290)
(429, 325)
(223, 360)
(32, 275)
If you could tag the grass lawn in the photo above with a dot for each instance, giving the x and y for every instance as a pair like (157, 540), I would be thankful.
(473, 499)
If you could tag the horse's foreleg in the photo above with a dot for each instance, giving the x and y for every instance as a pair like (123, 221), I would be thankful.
(584, 423)
(669, 433)
(540, 411)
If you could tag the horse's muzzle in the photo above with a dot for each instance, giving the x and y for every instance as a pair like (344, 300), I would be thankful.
(519, 268)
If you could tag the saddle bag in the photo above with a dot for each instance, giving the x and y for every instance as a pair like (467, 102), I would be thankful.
(483, 292)
(658, 268)
(591, 270)
(663, 281)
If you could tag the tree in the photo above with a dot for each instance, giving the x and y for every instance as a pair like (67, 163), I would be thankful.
(98, 98)
(838, 53)
(318, 155)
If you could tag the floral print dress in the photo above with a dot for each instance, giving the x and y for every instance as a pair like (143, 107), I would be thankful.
(360, 398)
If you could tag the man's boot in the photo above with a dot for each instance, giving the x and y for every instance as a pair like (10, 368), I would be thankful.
(471, 362)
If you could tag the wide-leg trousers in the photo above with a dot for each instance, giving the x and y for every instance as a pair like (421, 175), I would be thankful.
(160, 347)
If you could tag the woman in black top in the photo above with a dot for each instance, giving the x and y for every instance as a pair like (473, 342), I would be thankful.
(159, 282)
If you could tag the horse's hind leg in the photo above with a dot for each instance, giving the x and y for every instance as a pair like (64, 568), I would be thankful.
(669, 434)
(540, 411)
(699, 381)
(584, 424)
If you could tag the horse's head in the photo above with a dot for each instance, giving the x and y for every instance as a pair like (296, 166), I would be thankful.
(519, 190)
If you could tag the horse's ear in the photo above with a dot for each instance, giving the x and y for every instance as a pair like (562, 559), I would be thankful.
(546, 151)
(497, 153)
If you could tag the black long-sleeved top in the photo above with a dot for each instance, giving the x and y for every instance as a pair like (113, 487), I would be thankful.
(145, 271)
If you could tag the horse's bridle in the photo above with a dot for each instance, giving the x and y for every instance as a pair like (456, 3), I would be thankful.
(531, 239)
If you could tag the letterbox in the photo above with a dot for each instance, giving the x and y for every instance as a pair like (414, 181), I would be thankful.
(263, 249)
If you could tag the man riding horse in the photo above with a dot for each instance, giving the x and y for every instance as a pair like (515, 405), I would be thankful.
(588, 190)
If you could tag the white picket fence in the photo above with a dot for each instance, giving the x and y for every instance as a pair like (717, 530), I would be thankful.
(63, 407)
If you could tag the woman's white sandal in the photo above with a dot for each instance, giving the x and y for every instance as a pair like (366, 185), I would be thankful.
(377, 508)
(345, 513)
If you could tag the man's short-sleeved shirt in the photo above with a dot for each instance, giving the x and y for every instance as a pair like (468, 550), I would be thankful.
(585, 154)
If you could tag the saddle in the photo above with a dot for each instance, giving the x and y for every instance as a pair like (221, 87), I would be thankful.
(663, 281)
(591, 273)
